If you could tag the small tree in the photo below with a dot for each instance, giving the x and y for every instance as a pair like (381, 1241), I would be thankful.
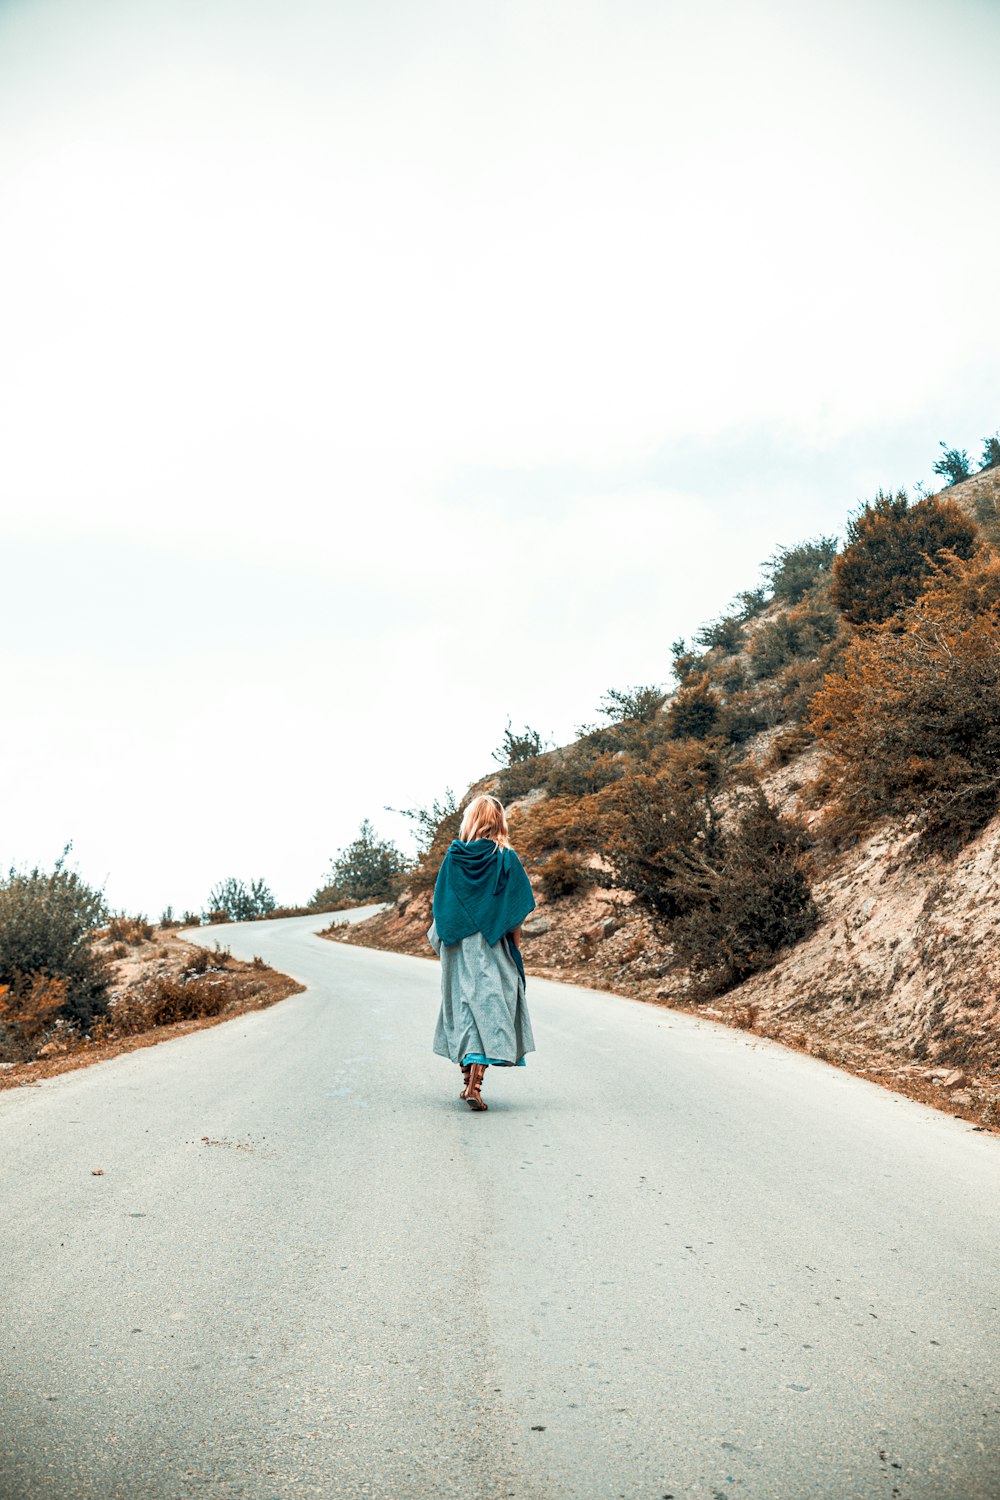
(792, 571)
(639, 704)
(953, 464)
(240, 902)
(367, 870)
(991, 452)
(892, 548)
(428, 821)
(516, 748)
(47, 921)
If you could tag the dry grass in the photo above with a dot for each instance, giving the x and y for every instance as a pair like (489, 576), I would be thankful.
(163, 989)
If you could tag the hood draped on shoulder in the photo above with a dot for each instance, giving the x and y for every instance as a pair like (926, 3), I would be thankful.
(480, 887)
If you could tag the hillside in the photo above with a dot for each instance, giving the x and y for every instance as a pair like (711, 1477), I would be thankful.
(893, 971)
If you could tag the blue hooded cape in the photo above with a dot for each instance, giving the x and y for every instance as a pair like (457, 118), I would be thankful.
(481, 887)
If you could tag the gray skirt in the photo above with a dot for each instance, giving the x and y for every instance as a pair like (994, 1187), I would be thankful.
(483, 1012)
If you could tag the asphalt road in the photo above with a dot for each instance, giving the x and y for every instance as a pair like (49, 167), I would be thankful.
(671, 1260)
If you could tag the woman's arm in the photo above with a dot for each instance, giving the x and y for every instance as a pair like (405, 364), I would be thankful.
(515, 936)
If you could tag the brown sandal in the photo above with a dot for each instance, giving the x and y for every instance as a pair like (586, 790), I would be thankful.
(466, 1070)
(472, 1095)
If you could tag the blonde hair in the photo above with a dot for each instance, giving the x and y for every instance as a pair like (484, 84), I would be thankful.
(485, 819)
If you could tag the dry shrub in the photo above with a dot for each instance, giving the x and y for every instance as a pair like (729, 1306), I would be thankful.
(162, 1001)
(745, 1017)
(28, 1007)
(169, 1000)
(911, 724)
(130, 930)
(204, 960)
(789, 743)
(797, 632)
(748, 712)
(585, 767)
(562, 874)
(794, 686)
(636, 948)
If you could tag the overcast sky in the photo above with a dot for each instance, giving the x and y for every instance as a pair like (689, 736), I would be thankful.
(371, 372)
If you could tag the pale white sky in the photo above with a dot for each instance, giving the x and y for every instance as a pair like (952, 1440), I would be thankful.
(370, 372)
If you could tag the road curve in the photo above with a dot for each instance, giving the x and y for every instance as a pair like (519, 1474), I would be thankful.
(671, 1260)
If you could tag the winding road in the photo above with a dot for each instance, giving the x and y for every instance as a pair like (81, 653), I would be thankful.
(672, 1259)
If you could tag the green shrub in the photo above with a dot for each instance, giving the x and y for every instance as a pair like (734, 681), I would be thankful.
(751, 602)
(684, 663)
(516, 747)
(724, 634)
(892, 550)
(47, 921)
(718, 870)
(792, 571)
(991, 452)
(641, 704)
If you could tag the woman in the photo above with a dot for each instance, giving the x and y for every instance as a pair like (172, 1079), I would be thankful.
(481, 896)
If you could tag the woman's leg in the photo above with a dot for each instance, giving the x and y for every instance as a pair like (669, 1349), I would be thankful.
(472, 1089)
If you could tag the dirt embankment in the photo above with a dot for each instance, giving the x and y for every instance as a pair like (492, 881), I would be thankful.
(162, 975)
(900, 983)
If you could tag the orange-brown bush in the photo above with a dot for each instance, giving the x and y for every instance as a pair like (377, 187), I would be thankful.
(911, 724)
(891, 553)
(572, 825)
(28, 1007)
(131, 930)
(562, 874)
